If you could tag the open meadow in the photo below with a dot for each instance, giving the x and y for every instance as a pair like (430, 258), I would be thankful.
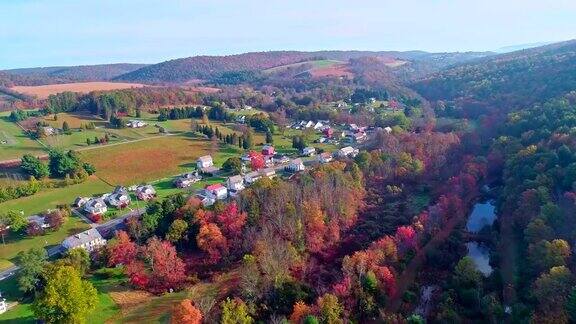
(14, 142)
(43, 91)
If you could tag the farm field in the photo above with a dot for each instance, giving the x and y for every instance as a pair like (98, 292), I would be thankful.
(49, 198)
(43, 91)
(149, 160)
(314, 64)
(13, 142)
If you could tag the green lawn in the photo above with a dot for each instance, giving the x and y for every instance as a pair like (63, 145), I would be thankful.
(22, 313)
(17, 143)
(49, 198)
(16, 243)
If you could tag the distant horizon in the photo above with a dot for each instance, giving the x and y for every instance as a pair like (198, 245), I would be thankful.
(500, 50)
(35, 33)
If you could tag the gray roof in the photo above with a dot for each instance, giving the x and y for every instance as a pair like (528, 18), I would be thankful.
(235, 179)
(81, 238)
(94, 201)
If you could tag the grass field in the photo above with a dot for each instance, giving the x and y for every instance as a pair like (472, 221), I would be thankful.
(16, 243)
(152, 159)
(13, 142)
(313, 64)
(105, 310)
(43, 91)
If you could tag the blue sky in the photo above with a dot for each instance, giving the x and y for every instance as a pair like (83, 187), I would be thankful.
(72, 32)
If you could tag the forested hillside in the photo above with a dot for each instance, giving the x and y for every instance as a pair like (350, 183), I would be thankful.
(59, 74)
(506, 81)
(209, 67)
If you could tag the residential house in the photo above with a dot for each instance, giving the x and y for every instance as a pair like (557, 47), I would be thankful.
(3, 305)
(308, 151)
(89, 240)
(268, 172)
(95, 206)
(120, 190)
(206, 198)
(218, 190)
(80, 201)
(186, 180)
(119, 200)
(347, 151)
(268, 150)
(252, 177)
(136, 124)
(204, 162)
(296, 165)
(40, 220)
(235, 183)
(325, 157)
(49, 130)
(309, 124)
(145, 192)
(318, 125)
(359, 137)
(388, 129)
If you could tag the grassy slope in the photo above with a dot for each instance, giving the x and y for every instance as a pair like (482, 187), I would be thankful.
(18, 143)
(314, 64)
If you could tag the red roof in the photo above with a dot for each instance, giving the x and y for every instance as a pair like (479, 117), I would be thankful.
(215, 186)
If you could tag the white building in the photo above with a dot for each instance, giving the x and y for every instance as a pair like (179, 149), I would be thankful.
(347, 151)
(235, 183)
(89, 240)
(145, 192)
(308, 151)
(218, 190)
(96, 206)
(186, 180)
(252, 177)
(204, 162)
(40, 220)
(136, 124)
(118, 199)
(268, 173)
(296, 165)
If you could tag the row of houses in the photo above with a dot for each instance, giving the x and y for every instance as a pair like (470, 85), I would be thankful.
(119, 198)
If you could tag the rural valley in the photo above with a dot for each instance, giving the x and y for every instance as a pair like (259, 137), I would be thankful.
(283, 186)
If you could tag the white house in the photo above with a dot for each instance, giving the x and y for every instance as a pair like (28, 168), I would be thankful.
(309, 124)
(89, 240)
(145, 192)
(218, 190)
(325, 157)
(235, 183)
(318, 126)
(206, 198)
(347, 151)
(308, 151)
(204, 162)
(3, 305)
(80, 201)
(388, 129)
(186, 180)
(296, 165)
(136, 124)
(268, 172)
(96, 206)
(119, 199)
(252, 177)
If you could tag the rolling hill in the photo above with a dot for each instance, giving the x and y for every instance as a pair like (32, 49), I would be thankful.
(62, 74)
(210, 67)
(506, 81)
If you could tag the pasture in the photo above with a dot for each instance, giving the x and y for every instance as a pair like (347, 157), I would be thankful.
(14, 142)
(151, 159)
(43, 91)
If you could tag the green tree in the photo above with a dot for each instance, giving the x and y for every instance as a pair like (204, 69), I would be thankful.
(177, 230)
(248, 142)
(233, 164)
(235, 311)
(34, 167)
(65, 127)
(15, 220)
(330, 309)
(311, 319)
(466, 275)
(571, 305)
(66, 298)
(269, 137)
(78, 259)
(31, 263)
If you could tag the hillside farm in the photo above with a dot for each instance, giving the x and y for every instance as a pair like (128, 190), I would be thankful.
(43, 91)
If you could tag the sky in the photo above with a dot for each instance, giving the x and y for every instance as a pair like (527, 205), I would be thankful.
(76, 32)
